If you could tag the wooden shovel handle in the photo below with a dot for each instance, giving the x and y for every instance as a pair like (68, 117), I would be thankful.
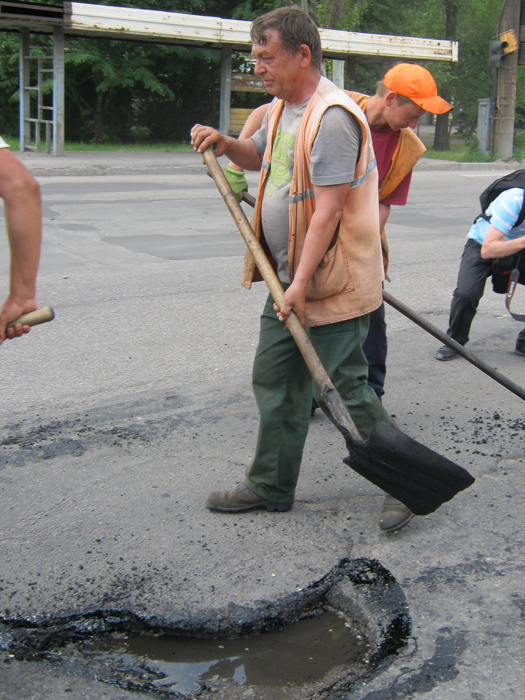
(34, 318)
(335, 403)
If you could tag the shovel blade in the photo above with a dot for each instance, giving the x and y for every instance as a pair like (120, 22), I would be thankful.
(414, 474)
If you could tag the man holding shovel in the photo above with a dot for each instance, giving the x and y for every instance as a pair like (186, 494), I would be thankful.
(318, 216)
(23, 216)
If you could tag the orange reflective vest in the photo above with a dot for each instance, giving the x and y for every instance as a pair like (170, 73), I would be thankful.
(347, 282)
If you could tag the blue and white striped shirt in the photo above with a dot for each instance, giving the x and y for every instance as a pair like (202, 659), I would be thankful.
(503, 213)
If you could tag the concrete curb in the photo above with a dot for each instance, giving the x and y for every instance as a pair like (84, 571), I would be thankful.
(497, 165)
(99, 170)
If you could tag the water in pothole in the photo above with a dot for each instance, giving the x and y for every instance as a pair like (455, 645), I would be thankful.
(303, 653)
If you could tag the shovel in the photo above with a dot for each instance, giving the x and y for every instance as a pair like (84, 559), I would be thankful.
(418, 477)
(467, 354)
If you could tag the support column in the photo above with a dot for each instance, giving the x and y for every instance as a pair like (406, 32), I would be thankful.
(507, 79)
(226, 91)
(386, 64)
(24, 95)
(58, 91)
(350, 73)
(338, 72)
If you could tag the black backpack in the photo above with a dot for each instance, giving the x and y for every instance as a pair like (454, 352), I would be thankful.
(507, 182)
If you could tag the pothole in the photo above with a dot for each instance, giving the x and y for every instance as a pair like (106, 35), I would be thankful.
(315, 642)
(326, 642)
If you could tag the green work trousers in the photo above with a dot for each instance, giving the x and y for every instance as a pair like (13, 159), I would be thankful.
(282, 385)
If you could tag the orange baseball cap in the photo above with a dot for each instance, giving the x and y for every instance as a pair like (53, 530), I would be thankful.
(416, 83)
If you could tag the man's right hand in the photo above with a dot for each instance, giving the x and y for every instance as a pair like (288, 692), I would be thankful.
(11, 310)
(204, 136)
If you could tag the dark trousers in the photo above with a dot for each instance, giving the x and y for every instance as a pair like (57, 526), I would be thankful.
(472, 276)
(282, 385)
(375, 349)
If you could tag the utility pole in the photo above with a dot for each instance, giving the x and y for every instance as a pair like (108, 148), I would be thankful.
(507, 75)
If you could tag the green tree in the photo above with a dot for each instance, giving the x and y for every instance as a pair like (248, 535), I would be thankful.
(9, 83)
(471, 22)
(115, 85)
(100, 72)
(339, 14)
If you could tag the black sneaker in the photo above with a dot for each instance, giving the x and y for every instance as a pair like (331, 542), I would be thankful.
(520, 347)
(445, 353)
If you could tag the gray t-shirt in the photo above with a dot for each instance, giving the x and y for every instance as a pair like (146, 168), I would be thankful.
(332, 162)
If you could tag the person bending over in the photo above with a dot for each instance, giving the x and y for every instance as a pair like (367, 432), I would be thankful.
(496, 238)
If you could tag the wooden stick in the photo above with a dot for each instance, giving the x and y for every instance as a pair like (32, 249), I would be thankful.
(34, 318)
(331, 397)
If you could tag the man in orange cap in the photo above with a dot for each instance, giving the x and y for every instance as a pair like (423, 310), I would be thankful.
(405, 94)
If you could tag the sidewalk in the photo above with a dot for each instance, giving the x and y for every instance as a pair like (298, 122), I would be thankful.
(82, 163)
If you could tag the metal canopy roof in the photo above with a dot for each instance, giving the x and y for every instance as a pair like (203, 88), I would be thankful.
(83, 19)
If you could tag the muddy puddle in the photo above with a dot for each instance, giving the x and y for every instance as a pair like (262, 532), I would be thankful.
(316, 642)
(303, 653)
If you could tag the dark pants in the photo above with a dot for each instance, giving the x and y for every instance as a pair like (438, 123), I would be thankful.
(472, 276)
(375, 349)
(282, 385)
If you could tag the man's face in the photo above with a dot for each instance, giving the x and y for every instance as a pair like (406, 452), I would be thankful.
(400, 116)
(277, 69)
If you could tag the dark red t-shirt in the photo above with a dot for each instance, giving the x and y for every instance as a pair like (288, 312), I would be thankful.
(385, 144)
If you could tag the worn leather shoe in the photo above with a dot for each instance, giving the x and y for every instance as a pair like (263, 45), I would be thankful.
(395, 515)
(445, 353)
(239, 499)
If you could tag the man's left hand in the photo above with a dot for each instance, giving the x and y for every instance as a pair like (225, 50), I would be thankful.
(294, 300)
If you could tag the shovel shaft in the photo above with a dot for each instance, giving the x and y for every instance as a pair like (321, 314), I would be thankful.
(460, 349)
(330, 395)
(437, 333)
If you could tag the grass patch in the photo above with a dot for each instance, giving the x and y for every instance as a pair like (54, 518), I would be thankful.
(168, 147)
(456, 152)
(459, 153)
(164, 147)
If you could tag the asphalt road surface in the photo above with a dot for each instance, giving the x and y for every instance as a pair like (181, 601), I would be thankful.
(119, 417)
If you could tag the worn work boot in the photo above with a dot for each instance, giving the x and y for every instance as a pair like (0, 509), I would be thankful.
(239, 499)
(520, 347)
(395, 515)
(445, 353)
